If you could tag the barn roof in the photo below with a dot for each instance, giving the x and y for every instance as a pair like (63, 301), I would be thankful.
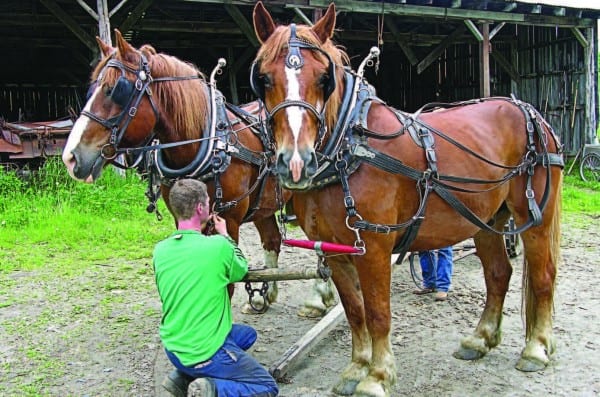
(52, 41)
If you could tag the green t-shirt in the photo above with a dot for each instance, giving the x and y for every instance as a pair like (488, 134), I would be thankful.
(192, 272)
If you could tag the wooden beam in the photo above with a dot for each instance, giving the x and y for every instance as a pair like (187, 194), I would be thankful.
(241, 60)
(484, 61)
(307, 342)
(104, 22)
(473, 29)
(580, 37)
(277, 274)
(433, 55)
(302, 15)
(241, 21)
(88, 9)
(70, 23)
(116, 8)
(590, 119)
(454, 13)
(402, 43)
(231, 60)
(496, 29)
(135, 15)
(508, 68)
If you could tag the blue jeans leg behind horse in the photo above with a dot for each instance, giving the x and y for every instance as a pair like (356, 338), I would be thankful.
(234, 372)
(444, 269)
(427, 260)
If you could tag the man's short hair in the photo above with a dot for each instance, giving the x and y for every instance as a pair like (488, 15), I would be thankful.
(184, 197)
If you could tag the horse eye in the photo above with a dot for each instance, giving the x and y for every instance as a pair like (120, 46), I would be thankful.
(323, 80)
(266, 80)
(108, 90)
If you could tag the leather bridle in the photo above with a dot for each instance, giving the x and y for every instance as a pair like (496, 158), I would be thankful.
(128, 96)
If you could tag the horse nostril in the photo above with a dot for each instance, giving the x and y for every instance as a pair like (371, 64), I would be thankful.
(282, 165)
(311, 165)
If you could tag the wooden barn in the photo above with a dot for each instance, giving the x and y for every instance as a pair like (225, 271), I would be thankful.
(432, 50)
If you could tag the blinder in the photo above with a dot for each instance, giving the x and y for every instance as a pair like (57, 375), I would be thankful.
(122, 92)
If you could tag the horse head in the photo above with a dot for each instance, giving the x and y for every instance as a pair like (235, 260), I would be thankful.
(126, 109)
(294, 74)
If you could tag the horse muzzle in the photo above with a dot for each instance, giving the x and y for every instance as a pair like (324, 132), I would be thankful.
(296, 169)
(85, 166)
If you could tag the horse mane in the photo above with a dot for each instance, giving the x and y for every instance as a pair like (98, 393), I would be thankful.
(185, 102)
(277, 46)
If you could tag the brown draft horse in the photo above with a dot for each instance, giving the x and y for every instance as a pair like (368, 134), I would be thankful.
(141, 95)
(392, 182)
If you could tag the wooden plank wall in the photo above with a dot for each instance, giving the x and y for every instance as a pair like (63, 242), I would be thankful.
(550, 61)
(552, 66)
(28, 103)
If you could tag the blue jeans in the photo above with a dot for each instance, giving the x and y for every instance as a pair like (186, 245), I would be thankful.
(234, 372)
(436, 268)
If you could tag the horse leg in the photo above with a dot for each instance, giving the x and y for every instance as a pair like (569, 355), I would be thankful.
(271, 243)
(497, 271)
(321, 297)
(542, 245)
(346, 281)
(375, 281)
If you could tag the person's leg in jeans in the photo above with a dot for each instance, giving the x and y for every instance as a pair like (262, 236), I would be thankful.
(427, 261)
(231, 370)
(444, 269)
(243, 335)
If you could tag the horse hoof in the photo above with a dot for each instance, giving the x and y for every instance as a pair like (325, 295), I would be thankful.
(467, 354)
(311, 312)
(248, 309)
(345, 387)
(272, 293)
(530, 364)
(371, 387)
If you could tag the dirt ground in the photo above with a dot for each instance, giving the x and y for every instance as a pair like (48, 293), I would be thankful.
(112, 349)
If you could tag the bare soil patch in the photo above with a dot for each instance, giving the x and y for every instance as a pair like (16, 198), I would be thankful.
(97, 331)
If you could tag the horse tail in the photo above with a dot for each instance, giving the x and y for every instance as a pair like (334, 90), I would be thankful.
(529, 301)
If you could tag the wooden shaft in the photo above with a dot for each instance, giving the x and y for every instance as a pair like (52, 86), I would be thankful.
(276, 274)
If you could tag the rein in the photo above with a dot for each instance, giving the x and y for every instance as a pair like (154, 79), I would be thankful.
(351, 145)
(210, 162)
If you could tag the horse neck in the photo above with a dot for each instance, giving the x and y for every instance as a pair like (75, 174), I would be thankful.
(182, 118)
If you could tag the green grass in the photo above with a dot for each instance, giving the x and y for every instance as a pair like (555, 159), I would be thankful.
(77, 225)
(53, 216)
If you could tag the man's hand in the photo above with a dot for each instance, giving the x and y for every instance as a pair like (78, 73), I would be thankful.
(219, 224)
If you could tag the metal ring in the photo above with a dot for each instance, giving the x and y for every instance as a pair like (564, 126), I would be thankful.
(105, 155)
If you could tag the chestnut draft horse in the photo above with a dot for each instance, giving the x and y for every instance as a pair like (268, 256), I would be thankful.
(141, 95)
(366, 174)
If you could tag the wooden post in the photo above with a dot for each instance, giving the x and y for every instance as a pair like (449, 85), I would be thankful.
(484, 61)
(104, 22)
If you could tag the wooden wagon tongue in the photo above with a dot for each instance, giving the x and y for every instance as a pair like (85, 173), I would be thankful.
(323, 247)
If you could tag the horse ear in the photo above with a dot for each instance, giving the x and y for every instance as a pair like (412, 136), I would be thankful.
(105, 49)
(325, 26)
(123, 46)
(263, 23)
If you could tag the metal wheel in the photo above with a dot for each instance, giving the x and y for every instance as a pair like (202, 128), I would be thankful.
(589, 169)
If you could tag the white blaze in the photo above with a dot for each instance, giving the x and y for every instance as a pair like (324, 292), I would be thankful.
(81, 124)
(295, 115)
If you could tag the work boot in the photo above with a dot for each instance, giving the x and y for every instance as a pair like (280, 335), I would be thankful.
(177, 383)
(201, 387)
(441, 296)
